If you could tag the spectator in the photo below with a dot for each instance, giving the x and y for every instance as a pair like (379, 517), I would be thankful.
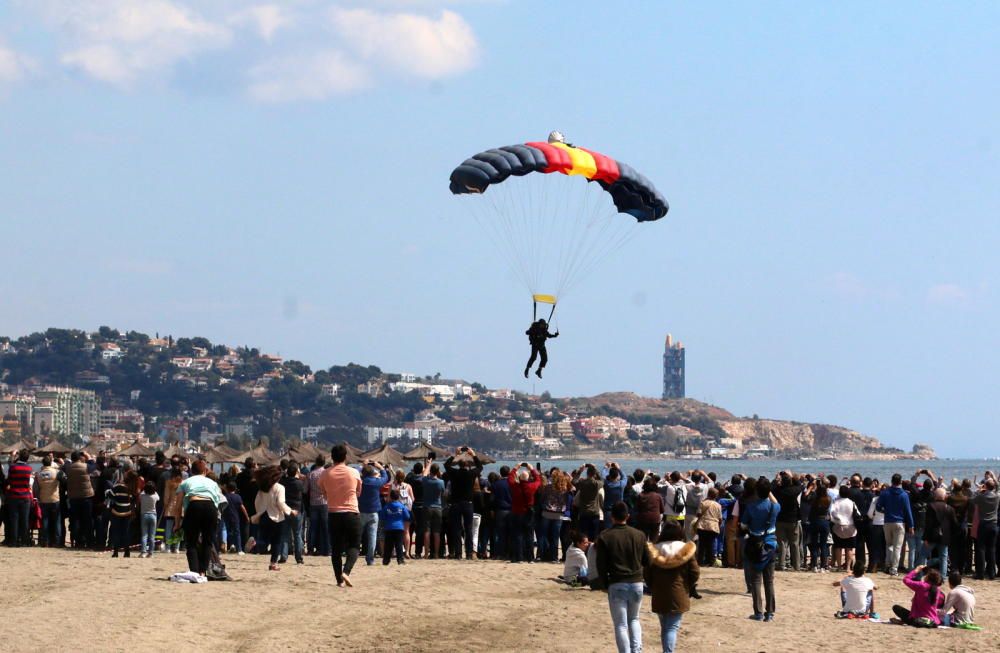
(621, 557)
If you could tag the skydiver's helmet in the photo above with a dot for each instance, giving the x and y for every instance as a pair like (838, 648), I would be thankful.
(556, 137)
(542, 323)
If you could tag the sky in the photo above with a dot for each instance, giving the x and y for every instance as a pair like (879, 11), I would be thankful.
(276, 175)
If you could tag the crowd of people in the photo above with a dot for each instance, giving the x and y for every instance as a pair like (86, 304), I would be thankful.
(623, 533)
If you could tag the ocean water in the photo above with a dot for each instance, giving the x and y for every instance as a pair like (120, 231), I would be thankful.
(769, 467)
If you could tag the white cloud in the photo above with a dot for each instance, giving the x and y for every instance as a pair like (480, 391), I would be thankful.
(265, 19)
(14, 66)
(410, 43)
(118, 41)
(949, 294)
(306, 50)
(313, 76)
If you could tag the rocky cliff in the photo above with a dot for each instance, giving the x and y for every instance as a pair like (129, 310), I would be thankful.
(795, 436)
(718, 424)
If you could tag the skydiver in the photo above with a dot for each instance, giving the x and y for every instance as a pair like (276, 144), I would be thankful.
(537, 334)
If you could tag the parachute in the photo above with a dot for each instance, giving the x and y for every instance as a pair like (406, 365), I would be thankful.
(552, 229)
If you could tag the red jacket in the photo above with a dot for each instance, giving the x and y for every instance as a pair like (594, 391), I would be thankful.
(522, 495)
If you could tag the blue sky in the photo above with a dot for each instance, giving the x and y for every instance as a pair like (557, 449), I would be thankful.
(276, 175)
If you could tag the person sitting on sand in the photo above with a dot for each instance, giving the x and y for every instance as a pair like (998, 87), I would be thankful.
(575, 568)
(857, 595)
(959, 607)
(927, 599)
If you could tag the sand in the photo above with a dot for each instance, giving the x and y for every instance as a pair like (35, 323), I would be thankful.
(82, 601)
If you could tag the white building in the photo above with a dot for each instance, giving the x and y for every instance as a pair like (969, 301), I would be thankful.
(311, 433)
(377, 434)
(330, 390)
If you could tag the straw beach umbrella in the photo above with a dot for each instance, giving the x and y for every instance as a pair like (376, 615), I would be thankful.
(260, 454)
(174, 450)
(53, 447)
(302, 452)
(16, 447)
(421, 451)
(136, 450)
(385, 455)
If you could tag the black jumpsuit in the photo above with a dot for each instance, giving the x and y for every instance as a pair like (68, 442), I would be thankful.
(537, 334)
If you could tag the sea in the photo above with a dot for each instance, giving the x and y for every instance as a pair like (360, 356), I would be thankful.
(971, 468)
(883, 470)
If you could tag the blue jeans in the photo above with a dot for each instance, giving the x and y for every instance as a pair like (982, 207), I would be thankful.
(549, 542)
(319, 534)
(819, 544)
(915, 549)
(937, 556)
(233, 535)
(624, 600)
(670, 623)
(168, 532)
(369, 535)
(294, 538)
(148, 538)
(51, 533)
(17, 521)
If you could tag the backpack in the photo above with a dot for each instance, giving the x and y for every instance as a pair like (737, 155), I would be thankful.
(678, 506)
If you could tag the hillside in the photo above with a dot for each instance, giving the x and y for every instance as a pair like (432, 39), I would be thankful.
(191, 388)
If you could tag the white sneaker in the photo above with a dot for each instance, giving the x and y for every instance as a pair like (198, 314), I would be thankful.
(240, 553)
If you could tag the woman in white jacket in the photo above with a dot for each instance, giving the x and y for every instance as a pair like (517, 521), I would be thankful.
(271, 510)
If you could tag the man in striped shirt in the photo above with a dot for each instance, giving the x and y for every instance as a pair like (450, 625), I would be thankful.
(18, 495)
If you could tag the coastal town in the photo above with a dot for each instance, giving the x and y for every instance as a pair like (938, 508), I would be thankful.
(109, 390)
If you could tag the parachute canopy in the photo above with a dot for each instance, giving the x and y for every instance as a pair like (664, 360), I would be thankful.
(553, 229)
(631, 192)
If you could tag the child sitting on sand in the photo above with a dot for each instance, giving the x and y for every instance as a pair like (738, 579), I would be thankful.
(857, 595)
(959, 607)
(927, 599)
(575, 568)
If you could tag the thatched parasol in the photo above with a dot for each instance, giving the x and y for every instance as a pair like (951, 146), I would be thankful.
(16, 447)
(136, 450)
(302, 452)
(174, 450)
(53, 447)
(421, 451)
(483, 458)
(385, 455)
(260, 454)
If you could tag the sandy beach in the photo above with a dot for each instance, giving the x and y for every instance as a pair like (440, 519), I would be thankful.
(70, 601)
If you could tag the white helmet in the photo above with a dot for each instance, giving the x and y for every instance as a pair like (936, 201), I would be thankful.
(556, 137)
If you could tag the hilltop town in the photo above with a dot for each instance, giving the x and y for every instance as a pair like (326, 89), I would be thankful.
(109, 388)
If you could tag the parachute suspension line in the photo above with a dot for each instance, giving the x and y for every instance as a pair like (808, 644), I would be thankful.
(575, 207)
(585, 238)
(510, 236)
(502, 239)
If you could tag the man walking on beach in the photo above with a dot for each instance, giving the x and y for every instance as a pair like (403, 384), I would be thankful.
(341, 486)
(621, 557)
(895, 503)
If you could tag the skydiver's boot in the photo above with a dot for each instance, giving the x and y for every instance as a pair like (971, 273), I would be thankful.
(538, 372)
(526, 370)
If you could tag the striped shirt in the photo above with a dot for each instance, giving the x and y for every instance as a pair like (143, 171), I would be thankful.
(19, 481)
(121, 500)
